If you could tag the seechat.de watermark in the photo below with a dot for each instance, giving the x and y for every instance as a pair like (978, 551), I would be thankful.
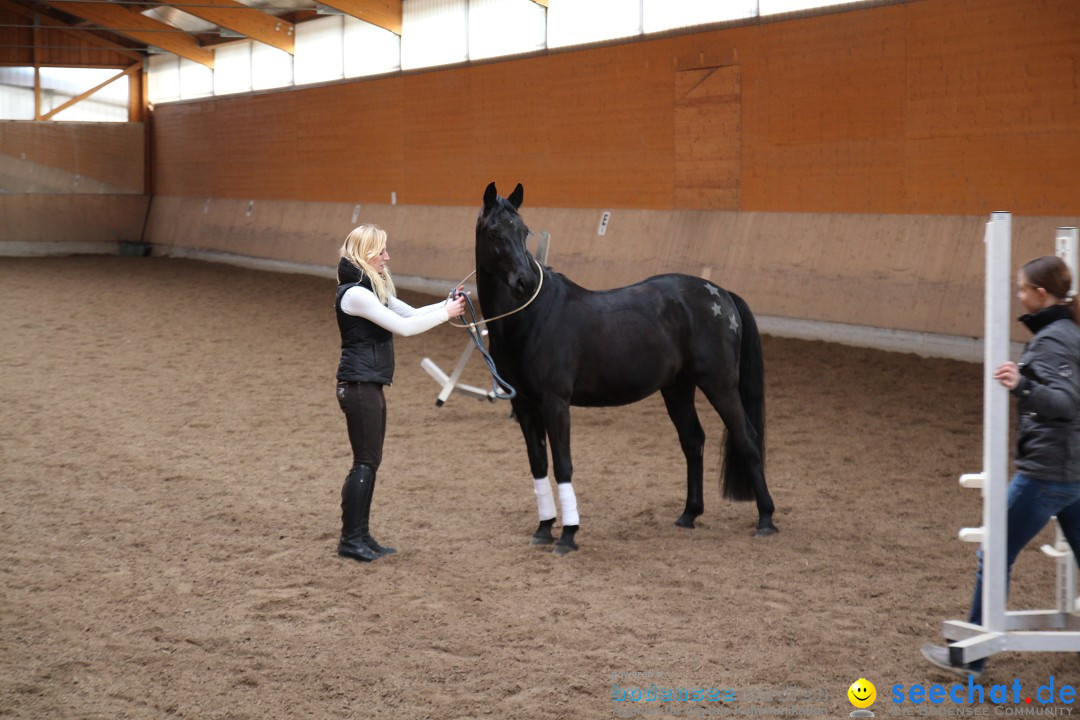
(1050, 699)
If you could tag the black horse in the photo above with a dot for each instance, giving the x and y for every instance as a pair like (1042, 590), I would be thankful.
(560, 345)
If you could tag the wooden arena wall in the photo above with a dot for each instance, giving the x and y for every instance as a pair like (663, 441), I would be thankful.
(913, 273)
(71, 185)
(926, 107)
(835, 167)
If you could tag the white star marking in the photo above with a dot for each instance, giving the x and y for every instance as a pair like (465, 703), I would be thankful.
(713, 289)
(717, 311)
(734, 322)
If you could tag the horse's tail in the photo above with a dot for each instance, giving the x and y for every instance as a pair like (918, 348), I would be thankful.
(738, 469)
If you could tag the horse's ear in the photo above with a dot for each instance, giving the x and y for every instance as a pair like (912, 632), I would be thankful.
(490, 195)
(517, 196)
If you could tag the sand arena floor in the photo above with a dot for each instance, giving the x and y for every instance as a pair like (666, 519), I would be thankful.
(172, 455)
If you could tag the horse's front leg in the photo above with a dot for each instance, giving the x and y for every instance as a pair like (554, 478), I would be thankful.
(556, 413)
(532, 427)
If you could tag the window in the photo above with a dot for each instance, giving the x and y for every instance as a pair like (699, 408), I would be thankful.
(662, 15)
(571, 22)
(434, 32)
(58, 86)
(232, 68)
(369, 49)
(505, 27)
(16, 93)
(319, 55)
(771, 7)
(196, 80)
(270, 67)
(164, 80)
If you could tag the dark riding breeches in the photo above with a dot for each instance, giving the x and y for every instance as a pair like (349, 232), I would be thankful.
(365, 416)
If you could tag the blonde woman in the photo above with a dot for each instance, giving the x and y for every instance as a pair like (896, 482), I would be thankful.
(368, 316)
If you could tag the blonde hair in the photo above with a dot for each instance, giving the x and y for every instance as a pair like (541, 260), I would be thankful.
(362, 245)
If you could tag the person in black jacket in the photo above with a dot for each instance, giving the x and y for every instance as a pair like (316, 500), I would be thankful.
(1046, 383)
(368, 316)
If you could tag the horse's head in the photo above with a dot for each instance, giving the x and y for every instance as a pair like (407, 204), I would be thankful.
(500, 242)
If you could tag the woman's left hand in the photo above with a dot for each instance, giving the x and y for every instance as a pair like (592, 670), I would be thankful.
(456, 308)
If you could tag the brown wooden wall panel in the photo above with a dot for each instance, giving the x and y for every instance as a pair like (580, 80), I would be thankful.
(63, 48)
(71, 219)
(994, 106)
(569, 126)
(823, 122)
(436, 138)
(17, 45)
(318, 144)
(109, 153)
(708, 135)
(916, 273)
(934, 106)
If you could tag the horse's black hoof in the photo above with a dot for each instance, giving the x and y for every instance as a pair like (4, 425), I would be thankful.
(765, 529)
(566, 542)
(562, 548)
(543, 535)
(685, 521)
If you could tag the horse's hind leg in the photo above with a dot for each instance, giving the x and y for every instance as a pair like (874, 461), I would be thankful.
(679, 400)
(532, 427)
(744, 466)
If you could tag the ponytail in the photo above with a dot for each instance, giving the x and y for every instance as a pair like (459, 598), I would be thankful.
(1074, 306)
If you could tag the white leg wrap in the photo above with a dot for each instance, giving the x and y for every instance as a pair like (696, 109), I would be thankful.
(568, 503)
(545, 503)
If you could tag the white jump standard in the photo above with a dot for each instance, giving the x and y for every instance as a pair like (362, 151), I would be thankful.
(451, 383)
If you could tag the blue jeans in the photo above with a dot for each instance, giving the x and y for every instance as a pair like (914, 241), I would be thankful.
(1032, 503)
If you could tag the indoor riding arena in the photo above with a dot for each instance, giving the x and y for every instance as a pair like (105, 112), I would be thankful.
(172, 452)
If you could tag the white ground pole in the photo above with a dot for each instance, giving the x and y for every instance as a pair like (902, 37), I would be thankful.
(1002, 630)
(450, 383)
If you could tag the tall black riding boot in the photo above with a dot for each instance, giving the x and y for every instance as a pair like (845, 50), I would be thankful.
(355, 506)
(370, 541)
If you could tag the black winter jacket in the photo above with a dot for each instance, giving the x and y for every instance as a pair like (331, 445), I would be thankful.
(1048, 432)
(367, 350)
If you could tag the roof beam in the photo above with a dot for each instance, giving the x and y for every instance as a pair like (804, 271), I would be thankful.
(384, 13)
(245, 20)
(122, 21)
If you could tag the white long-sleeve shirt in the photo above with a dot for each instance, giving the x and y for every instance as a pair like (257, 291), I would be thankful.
(398, 317)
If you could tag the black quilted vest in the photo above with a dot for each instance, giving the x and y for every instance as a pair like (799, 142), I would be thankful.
(367, 350)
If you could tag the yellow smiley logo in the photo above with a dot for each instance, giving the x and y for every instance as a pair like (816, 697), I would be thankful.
(862, 693)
